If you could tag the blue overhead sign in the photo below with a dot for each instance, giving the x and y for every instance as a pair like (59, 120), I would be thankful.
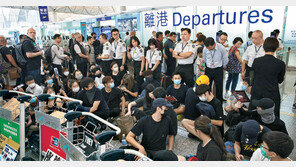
(104, 18)
(43, 11)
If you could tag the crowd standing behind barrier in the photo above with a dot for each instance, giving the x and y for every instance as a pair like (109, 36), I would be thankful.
(165, 82)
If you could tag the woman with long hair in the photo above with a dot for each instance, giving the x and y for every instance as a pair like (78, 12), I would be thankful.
(212, 147)
(129, 87)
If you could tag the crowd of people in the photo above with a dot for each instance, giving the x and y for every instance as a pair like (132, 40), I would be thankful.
(158, 85)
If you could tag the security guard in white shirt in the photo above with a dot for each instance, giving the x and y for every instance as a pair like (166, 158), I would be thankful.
(253, 51)
(119, 49)
(184, 53)
(153, 58)
(106, 56)
(136, 53)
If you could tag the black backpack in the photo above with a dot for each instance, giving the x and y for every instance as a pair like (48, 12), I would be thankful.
(165, 81)
(233, 118)
(19, 55)
(230, 134)
(48, 55)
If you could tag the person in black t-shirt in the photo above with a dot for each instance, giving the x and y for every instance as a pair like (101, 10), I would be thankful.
(248, 138)
(129, 87)
(113, 97)
(149, 79)
(117, 74)
(155, 129)
(92, 100)
(169, 47)
(212, 147)
(177, 93)
(205, 96)
(33, 54)
(265, 115)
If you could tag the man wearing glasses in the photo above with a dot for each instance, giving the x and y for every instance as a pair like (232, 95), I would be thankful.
(119, 49)
(223, 39)
(34, 54)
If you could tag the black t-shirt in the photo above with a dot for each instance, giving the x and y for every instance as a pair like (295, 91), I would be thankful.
(129, 97)
(5, 51)
(154, 133)
(219, 112)
(102, 108)
(191, 112)
(247, 149)
(167, 45)
(277, 125)
(117, 78)
(113, 98)
(179, 94)
(30, 46)
(210, 152)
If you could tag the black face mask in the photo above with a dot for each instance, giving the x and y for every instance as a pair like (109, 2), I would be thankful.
(99, 75)
(164, 114)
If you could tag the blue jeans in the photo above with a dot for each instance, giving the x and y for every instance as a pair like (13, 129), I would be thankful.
(232, 77)
(36, 75)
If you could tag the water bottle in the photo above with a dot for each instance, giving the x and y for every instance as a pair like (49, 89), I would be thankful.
(123, 141)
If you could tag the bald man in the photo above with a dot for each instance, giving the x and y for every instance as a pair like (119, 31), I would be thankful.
(252, 52)
(34, 55)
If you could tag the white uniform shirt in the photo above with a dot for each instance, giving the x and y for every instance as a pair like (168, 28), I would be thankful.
(152, 57)
(252, 53)
(36, 91)
(107, 50)
(119, 48)
(137, 53)
(57, 54)
(188, 47)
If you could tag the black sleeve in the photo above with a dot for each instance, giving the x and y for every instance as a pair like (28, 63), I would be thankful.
(282, 73)
(119, 92)
(28, 46)
(135, 88)
(80, 95)
(139, 127)
(238, 132)
(5, 52)
(172, 130)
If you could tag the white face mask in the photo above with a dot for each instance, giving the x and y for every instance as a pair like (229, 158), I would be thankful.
(32, 85)
(202, 98)
(66, 73)
(76, 89)
(115, 69)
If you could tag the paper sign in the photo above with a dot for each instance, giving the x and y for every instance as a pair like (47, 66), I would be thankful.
(51, 156)
(13, 105)
(60, 115)
(8, 153)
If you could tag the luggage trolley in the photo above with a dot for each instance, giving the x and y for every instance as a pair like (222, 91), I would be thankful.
(85, 144)
(7, 114)
(118, 154)
(44, 119)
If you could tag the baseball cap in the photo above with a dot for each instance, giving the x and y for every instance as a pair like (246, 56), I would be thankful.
(161, 102)
(203, 79)
(264, 103)
(250, 132)
(165, 155)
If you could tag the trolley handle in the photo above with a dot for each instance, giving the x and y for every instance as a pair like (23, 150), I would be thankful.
(116, 154)
(44, 97)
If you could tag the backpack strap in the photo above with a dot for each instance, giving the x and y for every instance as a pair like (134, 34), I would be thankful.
(51, 50)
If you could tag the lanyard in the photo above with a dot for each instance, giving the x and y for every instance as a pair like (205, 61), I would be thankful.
(183, 47)
(258, 49)
(115, 45)
(151, 55)
(212, 55)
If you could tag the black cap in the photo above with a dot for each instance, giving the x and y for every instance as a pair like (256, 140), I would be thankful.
(250, 131)
(264, 103)
(159, 102)
(165, 155)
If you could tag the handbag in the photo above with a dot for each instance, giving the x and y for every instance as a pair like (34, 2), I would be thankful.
(13, 73)
(125, 123)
